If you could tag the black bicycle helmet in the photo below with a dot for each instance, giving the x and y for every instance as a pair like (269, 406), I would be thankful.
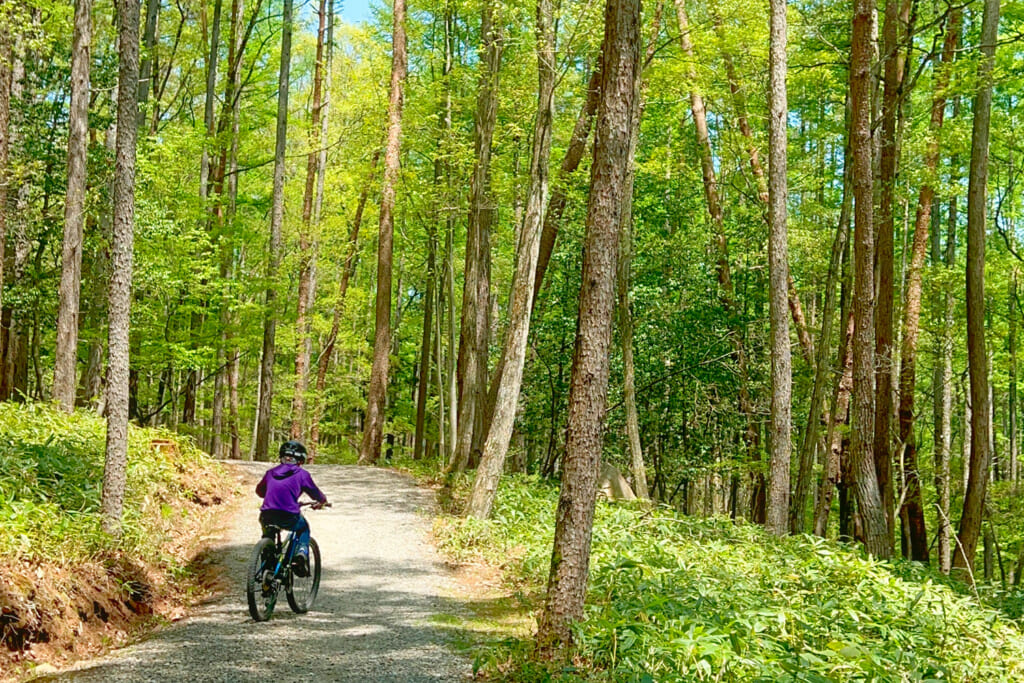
(294, 450)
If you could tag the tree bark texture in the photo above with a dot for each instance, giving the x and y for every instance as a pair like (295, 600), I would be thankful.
(6, 74)
(307, 244)
(912, 510)
(570, 162)
(977, 356)
(499, 433)
(472, 336)
(892, 32)
(862, 409)
(570, 557)
(116, 461)
(373, 429)
(423, 376)
(66, 351)
(266, 388)
(778, 276)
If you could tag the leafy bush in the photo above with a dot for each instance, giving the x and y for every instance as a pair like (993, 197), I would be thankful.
(673, 598)
(51, 474)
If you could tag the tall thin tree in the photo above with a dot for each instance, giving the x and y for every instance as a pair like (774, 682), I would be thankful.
(588, 393)
(492, 461)
(307, 243)
(66, 351)
(373, 429)
(116, 462)
(266, 388)
(778, 274)
(862, 409)
(977, 354)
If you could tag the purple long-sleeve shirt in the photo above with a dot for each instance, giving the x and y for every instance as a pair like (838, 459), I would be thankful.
(281, 487)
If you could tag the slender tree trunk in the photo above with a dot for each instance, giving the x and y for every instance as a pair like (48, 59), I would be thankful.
(862, 414)
(570, 162)
(66, 351)
(912, 512)
(423, 377)
(943, 382)
(1011, 418)
(307, 244)
(892, 32)
(817, 412)
(6, 74)
(146, 66)
(977, 357)
(472, 336)
(114, 471)
(499, 434)
(266, 388)
(373, 429)
(778, 267)
(570, 558)
(211, 87)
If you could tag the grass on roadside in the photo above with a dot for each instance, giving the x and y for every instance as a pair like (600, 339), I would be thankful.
(673, 598)
(67, 587)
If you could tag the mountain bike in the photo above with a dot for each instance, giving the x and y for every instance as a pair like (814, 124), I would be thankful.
(271, 569)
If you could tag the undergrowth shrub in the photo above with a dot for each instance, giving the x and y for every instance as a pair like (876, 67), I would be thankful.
(51, 474)
(674, 598)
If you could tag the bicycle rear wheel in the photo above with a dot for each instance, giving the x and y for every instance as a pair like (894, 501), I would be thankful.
(260, 589)
(302, 590)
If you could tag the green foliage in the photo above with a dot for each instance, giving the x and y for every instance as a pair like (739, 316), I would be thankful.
(51, 475)
(675, 598)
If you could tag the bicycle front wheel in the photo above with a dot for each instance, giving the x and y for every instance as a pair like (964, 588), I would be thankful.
(260, 588)
(302, 590)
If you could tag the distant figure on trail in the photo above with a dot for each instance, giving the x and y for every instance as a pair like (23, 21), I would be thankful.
(280, 489)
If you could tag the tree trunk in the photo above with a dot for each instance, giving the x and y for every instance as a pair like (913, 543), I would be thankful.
(817, 412)
(570, 558)
(912, 510)
(211, 86)
(977, 357)
(1011, 427)
(625, 315)
(307, 245)
(146, 65)
(778, 267)
(423, 377)
(943, 383)
(6, 74)
(876, 533)
(499, 434)
(892, 32)
(115, 466)
(373, 429)
(66, 350)
(570, 162)
(472, 336)
(266, 388)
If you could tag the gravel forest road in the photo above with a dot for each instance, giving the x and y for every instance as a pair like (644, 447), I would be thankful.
(374, 619)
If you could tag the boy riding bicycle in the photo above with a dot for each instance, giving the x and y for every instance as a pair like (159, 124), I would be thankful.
(280, 489)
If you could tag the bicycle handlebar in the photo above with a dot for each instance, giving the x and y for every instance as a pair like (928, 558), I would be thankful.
(313, 504)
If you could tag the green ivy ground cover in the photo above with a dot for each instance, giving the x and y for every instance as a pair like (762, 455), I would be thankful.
(673, 598)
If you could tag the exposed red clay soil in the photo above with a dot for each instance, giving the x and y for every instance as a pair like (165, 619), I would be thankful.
(54, 612)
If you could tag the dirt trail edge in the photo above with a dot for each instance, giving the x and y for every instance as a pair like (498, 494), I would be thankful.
(373, 620)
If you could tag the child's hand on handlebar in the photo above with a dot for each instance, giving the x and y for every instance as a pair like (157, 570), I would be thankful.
(319, 505)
